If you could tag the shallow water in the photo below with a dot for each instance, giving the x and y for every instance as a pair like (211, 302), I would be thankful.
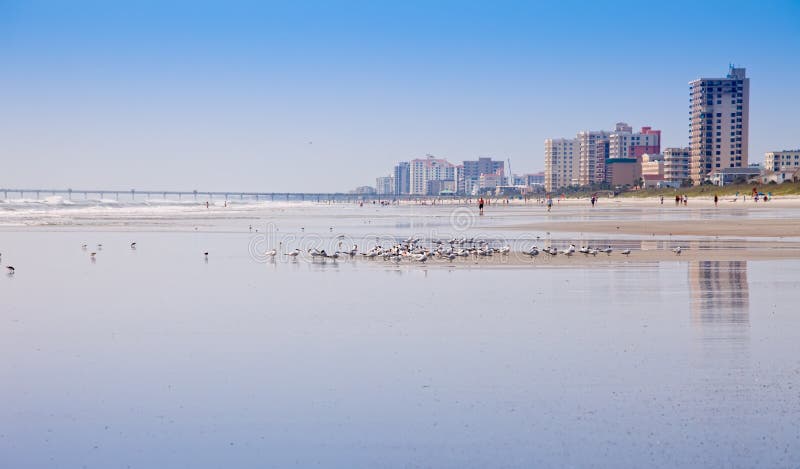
(156, 358)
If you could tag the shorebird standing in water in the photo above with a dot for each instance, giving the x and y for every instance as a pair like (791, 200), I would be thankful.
(10, 269)
(677, 250)
(133, 245)
(627, 252)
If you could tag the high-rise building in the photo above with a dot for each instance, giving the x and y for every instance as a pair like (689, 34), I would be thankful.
(624, 143)
(429, 169)
(588, 160)
(402, 178)
(534, 179)
(491, 180)
(601, 157)
(718, 123)
(384, 185)
(472, 170)
(676, 165)
(782, 160)
(561, 163)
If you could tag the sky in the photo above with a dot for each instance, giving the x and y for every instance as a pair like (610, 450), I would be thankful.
(324, 96)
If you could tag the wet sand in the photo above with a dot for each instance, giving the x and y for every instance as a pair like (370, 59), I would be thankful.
(160, 357)
(641, 252)
(769, 228)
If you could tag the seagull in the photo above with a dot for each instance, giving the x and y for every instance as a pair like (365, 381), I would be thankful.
(206, 254)
(83, 246)
(627, 252)
(677, 250)
(133, 245)
(294, 253)
(271, 253)
(92, 254)
(99, 247)
(10, 269)
(608, 250)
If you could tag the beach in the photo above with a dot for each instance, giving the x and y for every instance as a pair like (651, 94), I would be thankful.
(158, 355)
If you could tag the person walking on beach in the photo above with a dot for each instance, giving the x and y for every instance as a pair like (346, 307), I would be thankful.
(677, 199)
(549, 203)
(716, 200)
(480, 205)
(662, 200)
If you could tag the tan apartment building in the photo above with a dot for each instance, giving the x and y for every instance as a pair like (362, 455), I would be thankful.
(591, 163)
(676, 165)
(625, 143)
(718, 123)
(653, 165)
(560, 163)
(782, 160)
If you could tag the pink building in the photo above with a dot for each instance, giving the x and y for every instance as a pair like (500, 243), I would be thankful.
(624, 143)
(650, 145)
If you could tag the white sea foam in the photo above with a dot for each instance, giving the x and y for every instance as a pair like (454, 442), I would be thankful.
(59, 210)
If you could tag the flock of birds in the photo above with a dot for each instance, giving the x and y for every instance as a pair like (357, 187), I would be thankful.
(417, 250)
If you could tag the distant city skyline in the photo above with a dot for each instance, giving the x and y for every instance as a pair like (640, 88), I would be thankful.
(327, 96)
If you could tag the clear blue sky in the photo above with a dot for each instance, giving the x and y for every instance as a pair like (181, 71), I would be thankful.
(228, 95)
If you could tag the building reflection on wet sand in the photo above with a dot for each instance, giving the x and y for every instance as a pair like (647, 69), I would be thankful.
(720, 311)
(719, 293)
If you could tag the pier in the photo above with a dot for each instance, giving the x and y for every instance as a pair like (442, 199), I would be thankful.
(134, 194)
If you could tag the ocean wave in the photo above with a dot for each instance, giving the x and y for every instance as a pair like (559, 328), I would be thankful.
(60, 210)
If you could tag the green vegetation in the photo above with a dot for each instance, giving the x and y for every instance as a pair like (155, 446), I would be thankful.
(707, 190)
(787, 188)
